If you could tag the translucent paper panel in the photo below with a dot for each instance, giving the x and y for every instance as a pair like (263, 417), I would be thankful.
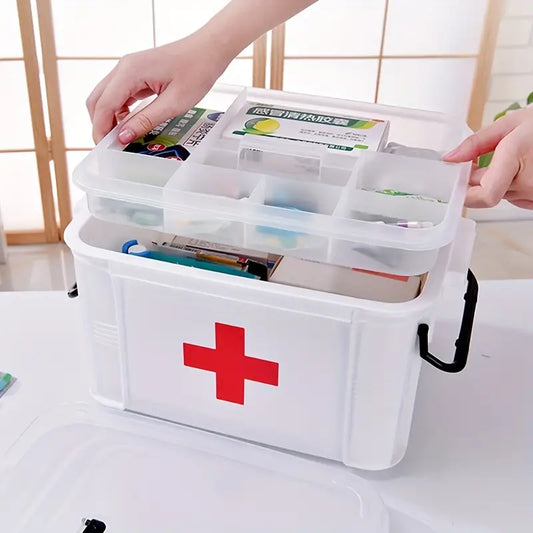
(176, 19)
(16, 130)
(10, 45)
(76, 80)
(507, 89)
(239, 72)
(102, 27)
(519, 8)
(434, 26)
(73, 158)
(336, 28)
(354, 79)
(20, 197)
(432, 84)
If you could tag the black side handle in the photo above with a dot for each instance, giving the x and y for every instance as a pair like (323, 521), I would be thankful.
(462, 344)
(73, 291)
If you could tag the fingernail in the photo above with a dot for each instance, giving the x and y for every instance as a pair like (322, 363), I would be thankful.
(126, 136)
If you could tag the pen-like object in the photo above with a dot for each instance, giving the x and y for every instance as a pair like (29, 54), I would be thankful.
(416, 224)
(242, 264)
(134, 248)
(225, 259)
(413, 224)
(6, 380)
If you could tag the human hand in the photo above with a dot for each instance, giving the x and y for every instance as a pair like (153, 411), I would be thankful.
(179, 73)
(510, 173)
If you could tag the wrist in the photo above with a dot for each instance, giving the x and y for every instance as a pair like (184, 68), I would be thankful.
(203, 49)
(222, 44)
(212, 49)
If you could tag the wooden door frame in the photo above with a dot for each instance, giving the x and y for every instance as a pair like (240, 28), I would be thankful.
(50, 233)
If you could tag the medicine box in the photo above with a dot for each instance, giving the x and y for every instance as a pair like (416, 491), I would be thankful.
(334, 279)
(297, 368)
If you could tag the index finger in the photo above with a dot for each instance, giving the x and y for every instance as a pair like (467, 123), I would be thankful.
(113, 99)
(482, 141)
(495, 180)
(97, 92)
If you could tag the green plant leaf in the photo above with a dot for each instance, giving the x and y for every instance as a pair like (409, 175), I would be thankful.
(530, 99)
(484, 160)
(514, 105)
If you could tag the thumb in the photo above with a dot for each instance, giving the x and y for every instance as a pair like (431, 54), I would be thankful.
(495, 180)
(481, 142)
(145, 120)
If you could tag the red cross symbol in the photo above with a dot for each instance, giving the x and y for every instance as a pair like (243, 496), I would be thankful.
(230, 364)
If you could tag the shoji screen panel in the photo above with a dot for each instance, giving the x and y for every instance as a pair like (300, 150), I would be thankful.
(429, 55)
(332, 48)
(26, 196)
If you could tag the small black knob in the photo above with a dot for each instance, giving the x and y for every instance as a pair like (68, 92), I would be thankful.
(94, 526)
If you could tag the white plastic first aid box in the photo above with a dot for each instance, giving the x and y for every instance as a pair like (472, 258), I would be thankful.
(298, 369)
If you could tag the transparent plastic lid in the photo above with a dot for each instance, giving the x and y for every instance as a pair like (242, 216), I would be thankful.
(137, 474)
(336, 181)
